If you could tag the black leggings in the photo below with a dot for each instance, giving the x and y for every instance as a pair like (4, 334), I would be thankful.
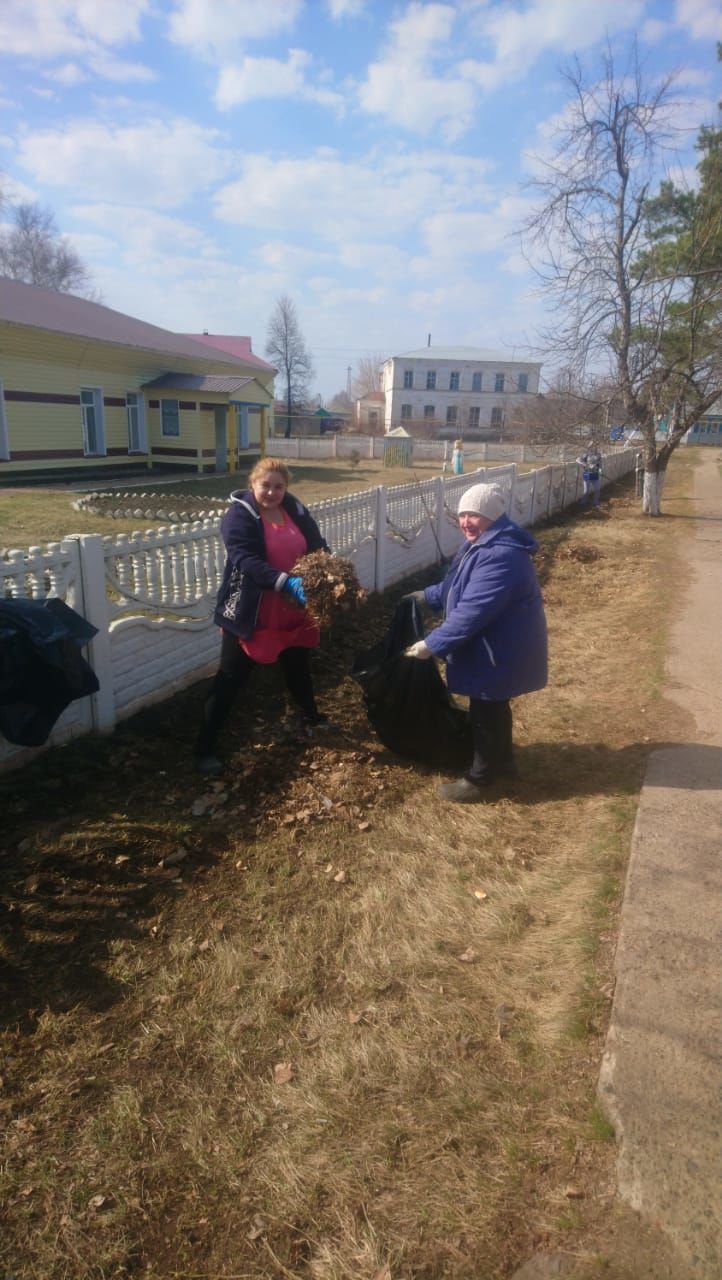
(491, 727)
(234, 673)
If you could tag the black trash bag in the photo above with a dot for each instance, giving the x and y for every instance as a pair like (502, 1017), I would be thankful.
(41, 667)
(408, 704)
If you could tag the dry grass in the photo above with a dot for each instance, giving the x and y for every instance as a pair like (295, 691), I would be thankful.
(358, 1036)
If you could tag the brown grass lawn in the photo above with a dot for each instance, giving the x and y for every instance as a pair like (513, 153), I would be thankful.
(353, 1033)
(30, 516)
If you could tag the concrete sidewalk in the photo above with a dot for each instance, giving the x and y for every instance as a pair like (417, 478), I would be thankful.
(660, 1083)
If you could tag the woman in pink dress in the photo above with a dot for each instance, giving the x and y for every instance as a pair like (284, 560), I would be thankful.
(260, 607)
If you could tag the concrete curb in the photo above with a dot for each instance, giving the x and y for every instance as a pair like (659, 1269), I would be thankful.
(660, 1077)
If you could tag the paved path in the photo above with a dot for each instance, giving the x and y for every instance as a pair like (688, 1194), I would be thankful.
(661, 1084)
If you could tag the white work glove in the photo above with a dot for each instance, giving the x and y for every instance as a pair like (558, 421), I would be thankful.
(418, 596)
(418, 650)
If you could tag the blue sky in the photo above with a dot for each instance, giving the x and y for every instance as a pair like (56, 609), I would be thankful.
(365, 157)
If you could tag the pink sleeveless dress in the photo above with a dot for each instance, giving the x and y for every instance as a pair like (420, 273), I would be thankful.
(281, 624)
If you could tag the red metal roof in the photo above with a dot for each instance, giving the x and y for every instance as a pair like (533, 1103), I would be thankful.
(28, 304)
(234, 345)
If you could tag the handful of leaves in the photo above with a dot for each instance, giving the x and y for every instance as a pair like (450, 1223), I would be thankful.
(330, 584)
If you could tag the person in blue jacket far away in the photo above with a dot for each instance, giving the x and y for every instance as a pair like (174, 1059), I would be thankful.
(493, 636)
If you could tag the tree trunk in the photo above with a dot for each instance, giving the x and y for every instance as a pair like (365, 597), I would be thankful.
(652, 492)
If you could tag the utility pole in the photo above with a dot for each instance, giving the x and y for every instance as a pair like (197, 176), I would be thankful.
(348, 381)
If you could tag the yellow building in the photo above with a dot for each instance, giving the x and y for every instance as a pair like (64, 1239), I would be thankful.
(84, 389)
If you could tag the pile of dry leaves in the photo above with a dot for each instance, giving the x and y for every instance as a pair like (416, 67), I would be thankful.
(330, 584)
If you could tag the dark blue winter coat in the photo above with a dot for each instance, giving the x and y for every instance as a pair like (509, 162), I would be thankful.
(494, 635)
(247, 573)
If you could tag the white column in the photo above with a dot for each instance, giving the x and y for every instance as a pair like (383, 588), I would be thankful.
(380, 564)
(95, 610)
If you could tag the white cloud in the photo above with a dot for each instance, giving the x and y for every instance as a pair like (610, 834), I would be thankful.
(349, 200)
(213, 27)
(520, 36)
(68, 74)
(45, 29)
(340, 9)
(402, 86)
(476, 232)
(119, 69)
(271, 78)
(160, 164)
(701, 18)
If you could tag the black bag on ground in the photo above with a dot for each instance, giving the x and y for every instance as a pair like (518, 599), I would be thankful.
(408, 704)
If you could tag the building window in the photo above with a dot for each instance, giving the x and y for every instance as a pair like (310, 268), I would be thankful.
(431, 380)
(429, 411)
(523, 382)
(408, 379)
(474, 414)
(453, 382)
(451, 415)
(4, 444)
(169, 418)
(136, 423)
(373, 417)
(498, 381)
(91, 408)
(497, 416)
(405, 411)
(476, 382)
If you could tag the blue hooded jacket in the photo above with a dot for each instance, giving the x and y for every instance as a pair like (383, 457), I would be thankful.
(494, 635)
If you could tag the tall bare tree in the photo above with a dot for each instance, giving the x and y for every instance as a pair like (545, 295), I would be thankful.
(33, 250)
(635, 298)
(367, 377)
(286, 346)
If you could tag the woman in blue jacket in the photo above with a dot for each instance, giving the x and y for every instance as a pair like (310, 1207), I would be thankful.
(493, 636)
(260, 605)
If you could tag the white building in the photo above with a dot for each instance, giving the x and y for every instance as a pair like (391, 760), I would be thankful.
(456, 389)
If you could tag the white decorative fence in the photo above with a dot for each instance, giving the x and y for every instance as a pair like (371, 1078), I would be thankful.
(344, 446)
(151, 594)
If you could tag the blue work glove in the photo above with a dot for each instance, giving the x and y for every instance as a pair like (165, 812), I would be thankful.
(294, 587)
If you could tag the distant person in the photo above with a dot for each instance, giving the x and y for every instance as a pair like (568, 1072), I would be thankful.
(493, 637)
(260, 606)
(591, 463)
(457, 458)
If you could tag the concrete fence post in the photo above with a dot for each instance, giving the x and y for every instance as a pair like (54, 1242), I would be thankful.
(95, 610)
(439, 515)
(380, 561)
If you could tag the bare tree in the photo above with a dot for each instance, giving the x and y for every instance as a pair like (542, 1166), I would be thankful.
(367, 377)
(286, 346)
(636, 299)
(33, 250)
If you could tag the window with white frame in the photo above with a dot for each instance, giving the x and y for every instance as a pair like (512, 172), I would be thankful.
(474, 415)
(136, 422)
(451, 415)
(405, 411)
(431, 380)
(169, 418)
(91, 408)
(497, 416)
(454, 381)
(476, 382)
(498, 381)
(408, 379)
(4, 444)
(429, 411)
(523, 382)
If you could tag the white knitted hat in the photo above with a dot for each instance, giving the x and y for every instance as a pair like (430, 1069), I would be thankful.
(484, 500)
